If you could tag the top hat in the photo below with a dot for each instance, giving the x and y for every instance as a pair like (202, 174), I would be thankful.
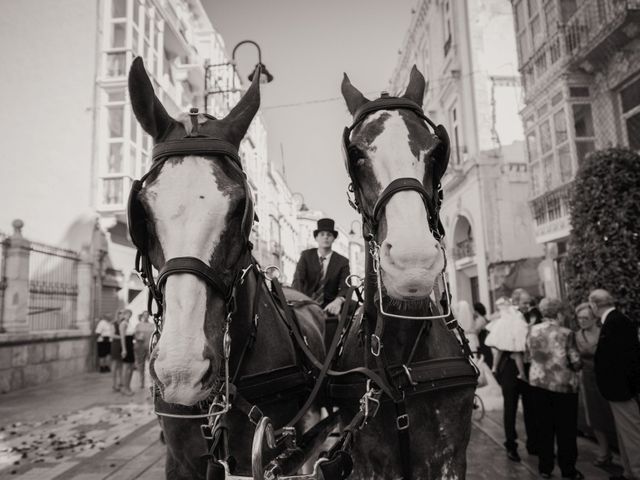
(325, 225)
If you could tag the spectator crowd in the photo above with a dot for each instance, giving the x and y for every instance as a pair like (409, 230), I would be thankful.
(123, 346)
(555, 360)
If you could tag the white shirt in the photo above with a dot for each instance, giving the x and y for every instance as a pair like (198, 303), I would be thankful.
(606, 312)
(104, 329)
(325, 264)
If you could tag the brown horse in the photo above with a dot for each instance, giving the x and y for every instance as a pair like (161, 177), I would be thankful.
(190, 217)
(396, 163)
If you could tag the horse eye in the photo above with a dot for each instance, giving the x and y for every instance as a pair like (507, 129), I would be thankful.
(356, 155)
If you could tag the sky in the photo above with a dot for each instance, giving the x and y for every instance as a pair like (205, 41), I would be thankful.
(307, 45)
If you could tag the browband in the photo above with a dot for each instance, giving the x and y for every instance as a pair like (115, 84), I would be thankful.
(195, 146)
(389, 103)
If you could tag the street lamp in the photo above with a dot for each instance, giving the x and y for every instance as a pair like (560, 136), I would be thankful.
(352, 231)
(265, 75)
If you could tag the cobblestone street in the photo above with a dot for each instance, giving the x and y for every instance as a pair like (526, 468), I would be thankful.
(79, 429)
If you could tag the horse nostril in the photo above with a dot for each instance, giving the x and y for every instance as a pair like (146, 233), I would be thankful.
(413, 290)
(386, 252)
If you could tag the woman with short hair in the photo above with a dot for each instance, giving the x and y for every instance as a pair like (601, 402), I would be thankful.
(553, 376)
(597, 409)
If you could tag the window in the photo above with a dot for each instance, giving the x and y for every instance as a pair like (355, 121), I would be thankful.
(118, 35)
(520, 18)
(565, 163)
(456, 135)
(551, 17)
(116, 64)
(560, 127)
(578, 92)
(118, 8)
(582, 120)
(548, 170)
(546, 142)
(112, 191)
(554, 209)
(524, 48)
(535, 24)
(542, 110)
(630, 102)
(532, 146)
(115, 119)
(115, 158)
(447, 28)
(583, 129)
(536, 182)
(539, 213)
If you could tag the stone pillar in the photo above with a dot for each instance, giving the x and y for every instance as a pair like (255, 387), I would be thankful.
(85, 287)
(16, 295)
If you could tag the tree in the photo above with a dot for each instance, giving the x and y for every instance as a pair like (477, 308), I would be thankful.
(604, 246)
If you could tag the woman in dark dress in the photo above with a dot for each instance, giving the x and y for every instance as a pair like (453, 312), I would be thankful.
(597, 409)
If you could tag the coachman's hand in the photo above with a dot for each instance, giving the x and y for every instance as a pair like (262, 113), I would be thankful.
(334, 307)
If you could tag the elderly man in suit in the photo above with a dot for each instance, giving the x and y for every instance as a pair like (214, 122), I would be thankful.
(321, 272)
(617, 369)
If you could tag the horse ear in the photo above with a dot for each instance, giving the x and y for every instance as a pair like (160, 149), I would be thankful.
(354, 98)
(147, 108)
(239, 118)
(416, 87)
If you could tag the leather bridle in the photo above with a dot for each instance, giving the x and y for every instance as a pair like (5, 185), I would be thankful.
(193, 143)
(371, 218)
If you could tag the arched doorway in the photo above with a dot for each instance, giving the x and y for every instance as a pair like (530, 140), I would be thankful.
(464, 260)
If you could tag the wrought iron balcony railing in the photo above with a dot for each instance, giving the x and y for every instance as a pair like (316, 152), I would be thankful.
(596, 21)
(464, 249)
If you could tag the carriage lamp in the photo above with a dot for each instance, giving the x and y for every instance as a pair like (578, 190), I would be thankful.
(352, 231)
(265, 75)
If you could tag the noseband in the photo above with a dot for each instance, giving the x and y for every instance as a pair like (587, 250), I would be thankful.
(193, 143)
(371, 220)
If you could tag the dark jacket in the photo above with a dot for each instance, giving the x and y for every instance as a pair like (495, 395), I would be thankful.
(308, 272)
(617, 358)
(533, 316)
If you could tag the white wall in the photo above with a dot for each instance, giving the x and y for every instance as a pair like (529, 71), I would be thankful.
(46, 92)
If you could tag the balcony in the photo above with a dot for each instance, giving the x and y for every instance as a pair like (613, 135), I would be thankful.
(544, 65)
(551, 214)
(598, 28)
(464, 249)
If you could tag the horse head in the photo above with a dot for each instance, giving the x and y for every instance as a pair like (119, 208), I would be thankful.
(191, 217)
(383, 146)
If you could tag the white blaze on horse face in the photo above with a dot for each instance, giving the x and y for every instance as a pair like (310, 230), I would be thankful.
(410, 256)
(189, 212)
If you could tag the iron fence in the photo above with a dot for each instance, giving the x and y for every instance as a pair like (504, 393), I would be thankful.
(53, 287)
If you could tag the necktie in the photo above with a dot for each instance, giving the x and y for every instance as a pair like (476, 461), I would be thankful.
(318, 293)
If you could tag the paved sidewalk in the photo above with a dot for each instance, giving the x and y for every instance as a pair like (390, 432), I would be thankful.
(78, 429)
(48, 431)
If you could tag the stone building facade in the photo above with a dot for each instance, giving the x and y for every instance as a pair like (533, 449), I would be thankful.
(580, 64)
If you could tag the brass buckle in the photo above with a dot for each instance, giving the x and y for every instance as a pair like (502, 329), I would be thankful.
(369, 405)
(376, 345)
(402, 422)
(407, 372)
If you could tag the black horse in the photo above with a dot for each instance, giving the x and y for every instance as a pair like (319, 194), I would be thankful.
(224, 346)
(426, 380)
